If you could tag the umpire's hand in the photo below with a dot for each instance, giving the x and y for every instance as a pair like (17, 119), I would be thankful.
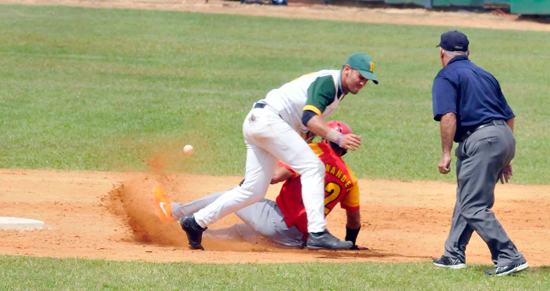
(444, 164)
(506, 174)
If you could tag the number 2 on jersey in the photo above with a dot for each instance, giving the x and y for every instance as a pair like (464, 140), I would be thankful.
(333, 191)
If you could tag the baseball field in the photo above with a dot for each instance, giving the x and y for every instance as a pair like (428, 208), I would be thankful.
(97, 102)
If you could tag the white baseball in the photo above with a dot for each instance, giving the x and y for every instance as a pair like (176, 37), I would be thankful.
(188, 149)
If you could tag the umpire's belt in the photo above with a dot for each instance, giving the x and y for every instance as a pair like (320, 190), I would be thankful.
(491, 123)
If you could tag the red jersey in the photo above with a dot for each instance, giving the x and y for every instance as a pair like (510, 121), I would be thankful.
(340, 186)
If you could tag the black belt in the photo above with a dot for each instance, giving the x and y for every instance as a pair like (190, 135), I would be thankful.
(493, 122)
(262, 105)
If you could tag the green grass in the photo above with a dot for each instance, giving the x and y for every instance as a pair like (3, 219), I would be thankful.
(46, 274)
(105, 89)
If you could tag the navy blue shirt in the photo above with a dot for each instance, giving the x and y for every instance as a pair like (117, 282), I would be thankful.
(471, 93)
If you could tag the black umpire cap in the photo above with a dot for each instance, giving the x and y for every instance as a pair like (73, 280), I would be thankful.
(454, 41)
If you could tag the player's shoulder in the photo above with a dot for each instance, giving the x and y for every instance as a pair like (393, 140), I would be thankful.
(320, 147)
(324, 83)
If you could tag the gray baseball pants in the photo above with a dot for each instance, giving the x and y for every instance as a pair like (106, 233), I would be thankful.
(481, 159)
(262, 221)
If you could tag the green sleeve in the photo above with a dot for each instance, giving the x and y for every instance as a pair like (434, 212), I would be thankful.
(320, 94)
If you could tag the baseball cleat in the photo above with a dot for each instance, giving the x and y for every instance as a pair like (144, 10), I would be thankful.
(507, 270)
(193, 230)
(325, 240)
(163, 206)
(447, 262)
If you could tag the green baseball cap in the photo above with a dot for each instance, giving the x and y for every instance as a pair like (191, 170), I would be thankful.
(364, 64)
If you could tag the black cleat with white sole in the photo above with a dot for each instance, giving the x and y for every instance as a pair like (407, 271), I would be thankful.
(447, 262)
(507, 270)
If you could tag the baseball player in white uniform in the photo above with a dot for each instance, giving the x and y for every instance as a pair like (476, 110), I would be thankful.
(271, 133)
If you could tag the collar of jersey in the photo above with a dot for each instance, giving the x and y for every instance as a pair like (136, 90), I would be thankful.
(340, 90)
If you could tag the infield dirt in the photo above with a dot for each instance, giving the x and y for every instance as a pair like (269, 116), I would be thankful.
(107, 215)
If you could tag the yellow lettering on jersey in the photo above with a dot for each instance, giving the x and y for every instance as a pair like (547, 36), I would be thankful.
(339, 174)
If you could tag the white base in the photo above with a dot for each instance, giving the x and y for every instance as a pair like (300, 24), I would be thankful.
(20, 223)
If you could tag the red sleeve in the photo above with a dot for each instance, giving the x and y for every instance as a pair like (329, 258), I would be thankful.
(352, 200)
(283, 165)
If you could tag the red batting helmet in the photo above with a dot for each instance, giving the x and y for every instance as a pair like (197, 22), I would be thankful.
(342, 128)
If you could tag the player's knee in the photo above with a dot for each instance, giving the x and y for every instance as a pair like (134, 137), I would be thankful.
(314, 168)
(252, 194)
(268, 232)
(257, 197)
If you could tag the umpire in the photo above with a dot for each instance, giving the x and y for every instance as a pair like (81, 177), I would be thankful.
(472, 111)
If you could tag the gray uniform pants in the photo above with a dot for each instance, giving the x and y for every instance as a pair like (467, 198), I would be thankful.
(481, 159)
(262, 220)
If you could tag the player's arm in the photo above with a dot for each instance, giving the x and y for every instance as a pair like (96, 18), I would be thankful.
(281, 174)
(352, 228)
(348, 141)
(350, 203)
(354, 219)
(321, 93)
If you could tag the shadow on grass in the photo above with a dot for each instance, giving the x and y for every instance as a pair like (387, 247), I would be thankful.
(365, 254)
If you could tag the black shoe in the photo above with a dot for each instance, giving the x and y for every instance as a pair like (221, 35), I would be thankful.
(325, 240)
(193, 230)
(506, 270)
(447, 262)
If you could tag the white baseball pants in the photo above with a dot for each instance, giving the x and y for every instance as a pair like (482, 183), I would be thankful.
(262, 221)
(269, 138)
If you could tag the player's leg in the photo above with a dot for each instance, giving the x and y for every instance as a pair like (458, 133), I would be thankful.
(489, 151)
(287, 145)
(182, 209)
(240, 231)
(266, 218)
(260, 165)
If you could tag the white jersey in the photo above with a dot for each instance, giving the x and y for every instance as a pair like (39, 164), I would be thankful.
(289, 100)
